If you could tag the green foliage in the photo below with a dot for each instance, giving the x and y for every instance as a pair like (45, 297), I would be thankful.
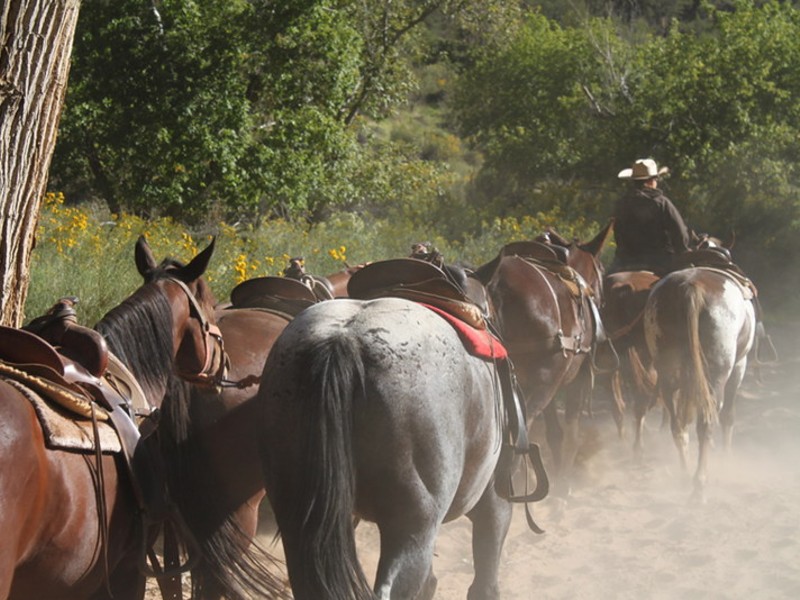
(432, 119)
(231, 109)
(156, 119)
(559, 107)
(85, 252)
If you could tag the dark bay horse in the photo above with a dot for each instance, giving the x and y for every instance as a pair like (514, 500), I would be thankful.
(546, 310)
(625, 294)
(218, 481)
(375, 409)
(339, 279)
(71, 526)
(699, 324)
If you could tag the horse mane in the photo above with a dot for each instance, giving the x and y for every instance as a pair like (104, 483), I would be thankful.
(139, 333)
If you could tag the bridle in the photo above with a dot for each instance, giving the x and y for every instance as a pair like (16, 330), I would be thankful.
(215, 361)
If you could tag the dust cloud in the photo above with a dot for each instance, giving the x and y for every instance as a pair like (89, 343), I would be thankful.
(629, 530)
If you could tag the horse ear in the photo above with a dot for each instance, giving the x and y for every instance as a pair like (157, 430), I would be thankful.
(198, 265)
(595, 245)
(732, 241)
(145, 261)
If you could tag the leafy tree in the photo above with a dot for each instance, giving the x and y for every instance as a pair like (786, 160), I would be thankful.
(233, 108)
(157, 119)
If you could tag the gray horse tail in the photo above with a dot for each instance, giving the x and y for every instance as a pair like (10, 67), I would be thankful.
(326, 543)
(696, 391)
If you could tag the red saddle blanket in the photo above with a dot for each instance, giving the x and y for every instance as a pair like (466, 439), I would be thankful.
(478, 342)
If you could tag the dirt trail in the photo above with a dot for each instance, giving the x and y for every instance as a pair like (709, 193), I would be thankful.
(629, 531)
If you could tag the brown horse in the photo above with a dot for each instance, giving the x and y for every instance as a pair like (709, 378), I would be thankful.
(340, 279)
(70, 523)
(625, 295)
(699, 324)
(545, 305)
(216, 467)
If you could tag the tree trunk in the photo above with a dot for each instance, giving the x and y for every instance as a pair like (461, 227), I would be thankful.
(35, 46)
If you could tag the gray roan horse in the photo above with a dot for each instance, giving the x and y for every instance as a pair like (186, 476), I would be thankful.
(699, 325)
(374, 409)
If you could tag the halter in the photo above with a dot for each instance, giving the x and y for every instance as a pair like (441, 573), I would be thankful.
(216, 361)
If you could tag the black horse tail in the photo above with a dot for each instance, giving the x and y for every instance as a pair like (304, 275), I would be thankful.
(325, 549)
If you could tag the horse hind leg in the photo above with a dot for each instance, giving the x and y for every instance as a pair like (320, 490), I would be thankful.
(640, 407)
(680, 435)
(618, 406)
(405, 568)
(728, 412)
(701, 474)
(491, 519)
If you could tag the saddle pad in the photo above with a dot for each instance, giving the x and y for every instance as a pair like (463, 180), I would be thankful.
(62, 431)
(478, 342)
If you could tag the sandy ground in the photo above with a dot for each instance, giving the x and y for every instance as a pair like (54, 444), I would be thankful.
(629, 530)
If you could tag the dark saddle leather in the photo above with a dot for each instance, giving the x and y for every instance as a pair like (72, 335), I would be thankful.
(283, 295)
(416, 280)
(59, 328)
(540, 251)
(48, 356)
(715, 258)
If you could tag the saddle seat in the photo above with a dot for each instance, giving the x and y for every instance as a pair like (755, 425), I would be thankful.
(30, 359)
(59, 327)
(539, 251)
(416, 280)
(551, 257)
(282, 295)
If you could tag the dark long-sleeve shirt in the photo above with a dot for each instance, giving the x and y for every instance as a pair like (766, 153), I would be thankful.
(648, 230)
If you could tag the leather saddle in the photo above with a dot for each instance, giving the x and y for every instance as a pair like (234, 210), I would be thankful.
(417, 280)
(283, 295)
(718, 259)
(29, 358)
(539, 251)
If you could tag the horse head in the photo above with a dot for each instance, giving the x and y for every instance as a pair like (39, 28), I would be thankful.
(196, 338)
(167, 325)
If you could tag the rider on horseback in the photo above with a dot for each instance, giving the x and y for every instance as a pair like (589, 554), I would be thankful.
(648, 229)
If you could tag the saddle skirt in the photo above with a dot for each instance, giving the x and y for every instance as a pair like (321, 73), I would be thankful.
(61, 428)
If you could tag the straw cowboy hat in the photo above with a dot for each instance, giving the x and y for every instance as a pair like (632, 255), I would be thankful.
(644, 168)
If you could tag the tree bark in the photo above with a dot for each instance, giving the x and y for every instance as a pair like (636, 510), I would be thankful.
(35, 46)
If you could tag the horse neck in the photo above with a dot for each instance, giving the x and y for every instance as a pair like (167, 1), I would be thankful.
(588, 267)
(139, 332)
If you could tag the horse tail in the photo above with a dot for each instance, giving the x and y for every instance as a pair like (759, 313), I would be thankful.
(324, 524)
(696, 391)
(644, 378)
